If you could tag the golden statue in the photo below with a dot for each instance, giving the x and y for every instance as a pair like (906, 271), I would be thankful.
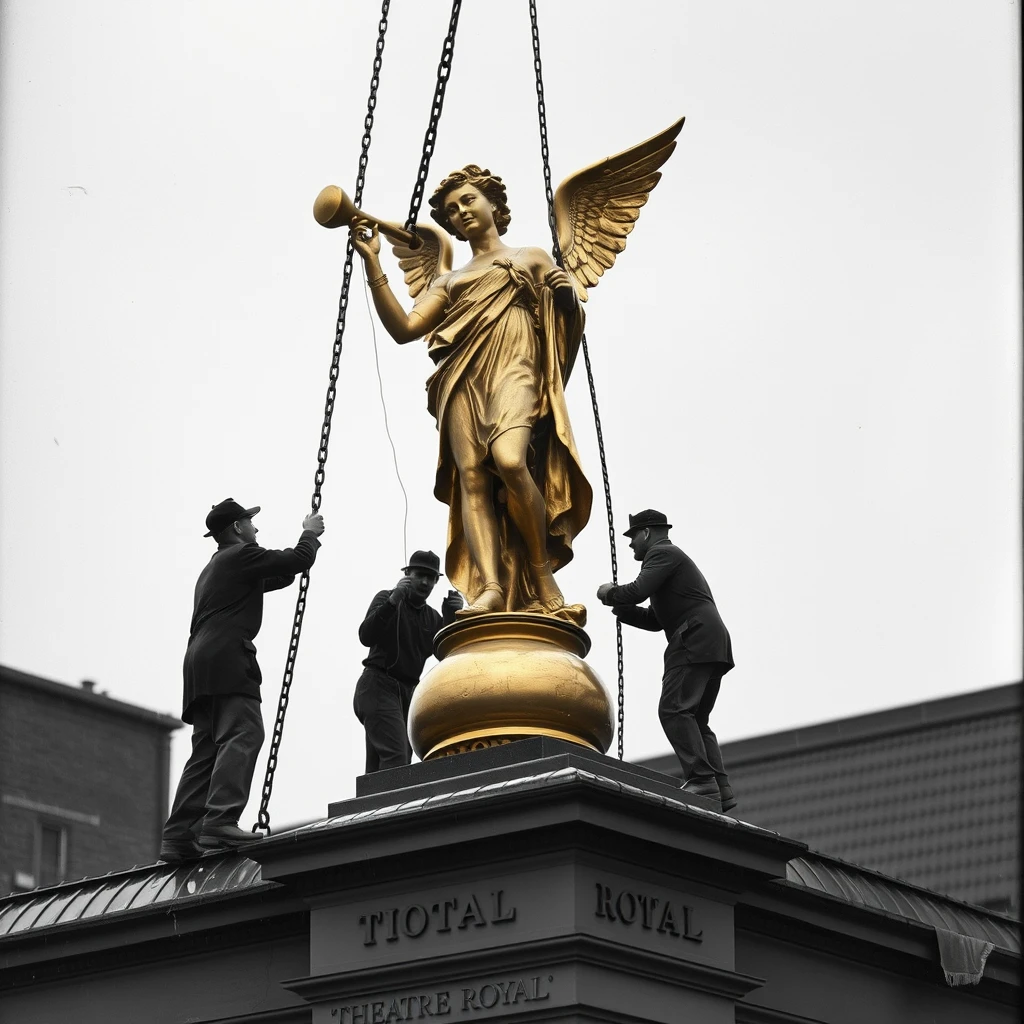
(503, 331)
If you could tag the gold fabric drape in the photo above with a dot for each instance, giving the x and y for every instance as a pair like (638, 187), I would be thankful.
(504, 353)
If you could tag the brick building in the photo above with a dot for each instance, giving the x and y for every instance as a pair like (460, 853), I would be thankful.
(83, 781)
(929, 793)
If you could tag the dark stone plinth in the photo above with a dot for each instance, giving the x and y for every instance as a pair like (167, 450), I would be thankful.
(520, 759)
(538, 880)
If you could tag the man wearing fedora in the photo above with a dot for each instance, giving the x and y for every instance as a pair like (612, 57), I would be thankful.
(699, 648)
(399, 629)
(222, 680)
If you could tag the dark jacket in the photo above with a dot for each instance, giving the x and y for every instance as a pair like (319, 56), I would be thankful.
(400, 638)
(227, 615)
(681, 605)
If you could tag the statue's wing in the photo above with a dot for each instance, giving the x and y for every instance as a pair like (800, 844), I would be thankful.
(430, 259)
(596, 208)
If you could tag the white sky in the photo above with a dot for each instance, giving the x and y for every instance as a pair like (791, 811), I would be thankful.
(808, 355)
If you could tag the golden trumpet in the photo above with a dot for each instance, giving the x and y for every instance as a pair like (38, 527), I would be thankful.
(333, 209)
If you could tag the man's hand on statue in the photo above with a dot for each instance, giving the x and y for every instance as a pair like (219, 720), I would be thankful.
(402, 590)
(603, 591)
(453, 602)
(365, 237)
(314, 523)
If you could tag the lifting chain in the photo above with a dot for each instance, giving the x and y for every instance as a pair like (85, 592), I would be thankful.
(263, 821)
(444, 69)
(557, 252)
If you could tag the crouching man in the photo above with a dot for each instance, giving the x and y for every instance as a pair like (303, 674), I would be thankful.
(399, 629)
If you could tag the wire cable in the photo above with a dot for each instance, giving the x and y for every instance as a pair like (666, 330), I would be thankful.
(387, 428)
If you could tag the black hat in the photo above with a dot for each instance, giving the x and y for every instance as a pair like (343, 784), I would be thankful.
(226, 513)
(424, 560)
(649, 517)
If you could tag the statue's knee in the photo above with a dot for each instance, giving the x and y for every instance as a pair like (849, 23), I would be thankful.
(512, 470)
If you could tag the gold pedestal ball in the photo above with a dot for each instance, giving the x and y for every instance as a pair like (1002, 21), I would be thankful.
(505, 676)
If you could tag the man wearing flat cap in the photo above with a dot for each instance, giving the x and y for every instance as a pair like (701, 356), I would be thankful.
(399, 629)
(222, 680)
(699, 648)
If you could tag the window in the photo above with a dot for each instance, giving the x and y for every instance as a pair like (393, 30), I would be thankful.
(51, 853)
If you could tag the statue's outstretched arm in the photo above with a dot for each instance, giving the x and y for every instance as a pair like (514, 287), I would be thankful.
(596, 208)
(403, 327)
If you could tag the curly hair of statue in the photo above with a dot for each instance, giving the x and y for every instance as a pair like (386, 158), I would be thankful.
(490, 186)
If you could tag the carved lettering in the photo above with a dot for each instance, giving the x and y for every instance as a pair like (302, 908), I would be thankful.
(668, 921)
(398, 1009)
(627, 913)
(501, 915)
(415, 920)
(369, 922)
(472, 914)
(647, 905)
(604, 902)
(422, 919)
(443, 909)
(688, 932)
(651, 912)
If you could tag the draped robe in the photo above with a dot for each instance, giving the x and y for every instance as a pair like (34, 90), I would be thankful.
(504, 353)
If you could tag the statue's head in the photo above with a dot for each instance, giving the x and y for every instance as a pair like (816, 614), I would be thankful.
(489, 185)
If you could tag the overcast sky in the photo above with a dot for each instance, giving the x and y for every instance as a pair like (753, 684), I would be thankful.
(808, 355)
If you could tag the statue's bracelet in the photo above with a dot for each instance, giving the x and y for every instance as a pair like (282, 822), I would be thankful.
(378, 281)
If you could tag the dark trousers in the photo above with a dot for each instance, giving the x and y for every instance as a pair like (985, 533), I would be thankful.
(688, 695)
(227, 733)
(381, 704)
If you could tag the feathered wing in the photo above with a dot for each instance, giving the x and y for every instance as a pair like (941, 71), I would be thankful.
(430, 259)
(596, 208)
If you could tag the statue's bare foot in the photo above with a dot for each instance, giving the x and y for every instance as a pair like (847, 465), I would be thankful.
(490, 599)
(548, 591)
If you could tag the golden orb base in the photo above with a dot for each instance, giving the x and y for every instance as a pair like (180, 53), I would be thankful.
(504, 676)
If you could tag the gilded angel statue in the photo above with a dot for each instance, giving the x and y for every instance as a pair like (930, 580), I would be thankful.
(503, 332)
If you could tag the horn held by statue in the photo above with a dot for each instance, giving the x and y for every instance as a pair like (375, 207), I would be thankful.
(333, 209)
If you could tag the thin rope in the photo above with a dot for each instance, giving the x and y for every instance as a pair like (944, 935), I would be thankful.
(387, 428)
(557, 254)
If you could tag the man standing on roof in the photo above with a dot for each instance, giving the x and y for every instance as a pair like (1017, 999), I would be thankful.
(399, 629)
(222, 680)
(699, 648)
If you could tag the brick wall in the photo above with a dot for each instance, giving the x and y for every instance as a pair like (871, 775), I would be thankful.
(74, 756)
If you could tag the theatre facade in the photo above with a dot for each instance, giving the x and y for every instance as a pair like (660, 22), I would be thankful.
(533, 881)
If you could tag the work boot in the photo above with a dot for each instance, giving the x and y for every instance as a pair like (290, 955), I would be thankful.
(728, 799)
(707, 788)
(179, 849)
(226, 837)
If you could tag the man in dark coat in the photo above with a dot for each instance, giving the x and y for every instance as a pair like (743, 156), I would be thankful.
(399, 629)
(222, 680)
(699, 648)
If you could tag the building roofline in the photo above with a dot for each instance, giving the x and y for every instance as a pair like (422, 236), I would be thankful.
(99, 701)
(904, 718)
